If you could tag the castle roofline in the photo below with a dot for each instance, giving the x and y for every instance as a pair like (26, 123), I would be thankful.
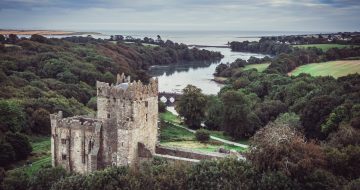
(123, 88)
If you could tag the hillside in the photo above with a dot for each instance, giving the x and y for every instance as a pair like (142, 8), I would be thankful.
(39, 76)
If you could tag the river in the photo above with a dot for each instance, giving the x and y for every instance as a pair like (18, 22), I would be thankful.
(174, 78)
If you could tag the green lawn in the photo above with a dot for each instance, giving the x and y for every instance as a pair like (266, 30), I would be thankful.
(260, 67)
(44, 161)
(173, 136)
(332, 68)
(168, 116)
(324, 47)
(171, 133)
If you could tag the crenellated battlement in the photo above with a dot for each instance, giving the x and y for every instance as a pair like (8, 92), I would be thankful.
(75, 122)
(124, 89)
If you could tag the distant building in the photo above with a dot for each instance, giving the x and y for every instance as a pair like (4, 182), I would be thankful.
(127, 116)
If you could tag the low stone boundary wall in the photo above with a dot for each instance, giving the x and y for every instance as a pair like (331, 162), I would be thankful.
(174, 159)
(188, 154)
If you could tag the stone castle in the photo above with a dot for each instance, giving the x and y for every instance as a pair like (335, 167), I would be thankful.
(127, 118)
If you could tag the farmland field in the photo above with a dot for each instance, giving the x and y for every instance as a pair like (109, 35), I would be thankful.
(332, 68)
(324, 47)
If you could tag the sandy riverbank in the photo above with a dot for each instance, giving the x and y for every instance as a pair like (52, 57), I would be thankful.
(220, 80)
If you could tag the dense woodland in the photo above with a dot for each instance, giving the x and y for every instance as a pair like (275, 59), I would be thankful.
(304, 131)
(348, 38)
(39, 76)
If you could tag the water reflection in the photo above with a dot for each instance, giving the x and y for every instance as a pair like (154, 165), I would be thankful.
(180, 67)
(174, 78)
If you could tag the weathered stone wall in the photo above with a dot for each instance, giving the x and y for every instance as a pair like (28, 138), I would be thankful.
(127, 115)
(130, 110)
(75, 142)
(175, 159)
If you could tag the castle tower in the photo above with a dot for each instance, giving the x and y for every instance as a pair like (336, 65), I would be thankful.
(127, 114)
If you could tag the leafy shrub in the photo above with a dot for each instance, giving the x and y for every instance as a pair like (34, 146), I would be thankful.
(20, 143)
(7, 154)
(161, 107)
(12, 117)
(202, 135)
(46, 177)
(16, 180)
(40, 122)
(221, 174)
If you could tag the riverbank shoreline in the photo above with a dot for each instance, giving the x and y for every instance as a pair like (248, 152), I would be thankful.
(220, 80)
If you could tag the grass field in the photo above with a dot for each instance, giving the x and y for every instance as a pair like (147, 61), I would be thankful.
(168, 116)
(324, 47)
(332, 68)
(173, 136)
(171, 133)
(260, 67)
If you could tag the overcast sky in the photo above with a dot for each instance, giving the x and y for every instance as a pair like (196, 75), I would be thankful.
(247, 15)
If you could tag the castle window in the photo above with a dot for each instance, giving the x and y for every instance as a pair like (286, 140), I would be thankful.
(63, 157)
(108, 115)
(146, 116)
(108, 100)
(146, 104)
(63, 141)
(122, 143)
(114, 99)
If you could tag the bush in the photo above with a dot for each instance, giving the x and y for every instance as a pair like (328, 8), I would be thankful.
(20, 143)
(221, 174)
(12, 117)
(353, 185)
(202, 135)
(276, 180)
(7, 154)
(46, 177)
(92, 103)
(16, 180)
(40, 123)
(161, 107)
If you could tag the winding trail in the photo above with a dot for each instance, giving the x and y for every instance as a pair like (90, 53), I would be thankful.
(212, 137)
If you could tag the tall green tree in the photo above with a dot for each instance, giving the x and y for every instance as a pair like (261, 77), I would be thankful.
(191, 106)
(315, 113)
(214, 113)
(235, 115)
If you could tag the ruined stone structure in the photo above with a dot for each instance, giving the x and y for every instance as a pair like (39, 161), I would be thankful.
(127, 116)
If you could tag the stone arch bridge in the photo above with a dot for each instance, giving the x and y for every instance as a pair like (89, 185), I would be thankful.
(169, 98)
